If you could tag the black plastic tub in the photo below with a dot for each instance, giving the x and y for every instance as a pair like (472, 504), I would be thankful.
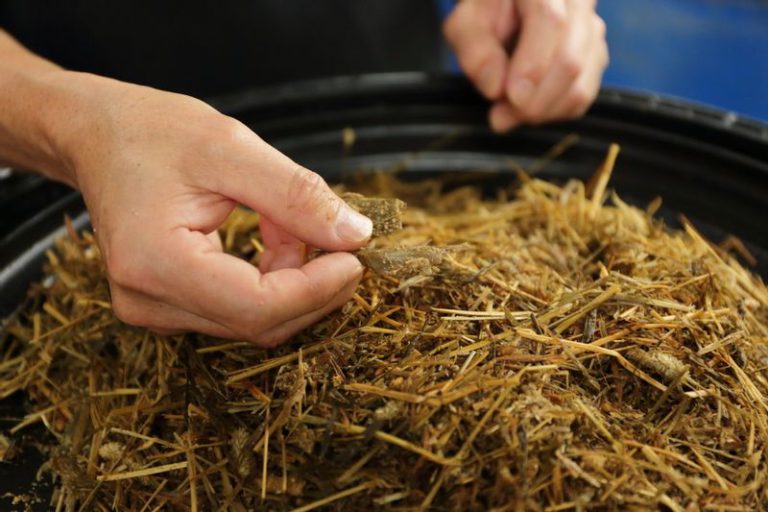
(709, 165)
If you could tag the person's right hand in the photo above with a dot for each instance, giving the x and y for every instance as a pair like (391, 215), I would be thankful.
(535, 60)
(160, 172)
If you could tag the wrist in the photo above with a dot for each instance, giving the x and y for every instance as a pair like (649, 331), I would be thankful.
(44, 112)
(49, 117)
(71, 102)
(26, 108)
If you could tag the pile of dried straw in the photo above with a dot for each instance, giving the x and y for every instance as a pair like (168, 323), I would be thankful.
(560, 350)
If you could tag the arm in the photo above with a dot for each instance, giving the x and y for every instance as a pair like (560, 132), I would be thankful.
(27, 87)
(159, 173)
(535, 60)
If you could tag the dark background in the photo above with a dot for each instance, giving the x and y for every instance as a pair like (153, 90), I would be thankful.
(212, 48)
(710, 51)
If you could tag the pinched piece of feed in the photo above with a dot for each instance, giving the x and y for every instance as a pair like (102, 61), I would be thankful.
(385, 213)
(407, 262)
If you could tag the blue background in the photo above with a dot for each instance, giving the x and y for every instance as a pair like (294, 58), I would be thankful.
(709, 51)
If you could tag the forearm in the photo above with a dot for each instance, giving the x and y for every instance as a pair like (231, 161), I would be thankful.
(35, 104)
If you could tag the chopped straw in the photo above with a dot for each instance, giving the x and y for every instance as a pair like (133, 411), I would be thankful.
(561, 350)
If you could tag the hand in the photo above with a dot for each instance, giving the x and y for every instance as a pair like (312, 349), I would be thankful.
(557, 60)
(160, 172)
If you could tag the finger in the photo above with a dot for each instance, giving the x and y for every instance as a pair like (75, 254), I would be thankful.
(570, 59)
(477, 32)
(503, 117)
(231, 292)
(582, 93)
(291, 196)
(282, 250)
(543, 24)
(215, 240)
(282, 333)
(135, 308)
(282, 257)
(236, 311)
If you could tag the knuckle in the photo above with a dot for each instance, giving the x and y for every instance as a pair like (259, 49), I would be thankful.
(605, 55)
(451, 25)
(600, 27)
(254, 318)
(127, 311)
(308, 192)
(581, 98)
(218, 134)
(306, 186)
(125, 270)
(578, 111)
(250, 322)
(534, 73)
(551, 13)
(270, 339)
(456, 20)
(232, 129)
(571, 64)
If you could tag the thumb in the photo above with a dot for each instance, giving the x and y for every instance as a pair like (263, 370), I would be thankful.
(294, 198)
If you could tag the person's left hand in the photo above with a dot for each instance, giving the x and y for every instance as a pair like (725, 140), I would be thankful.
(553, 70)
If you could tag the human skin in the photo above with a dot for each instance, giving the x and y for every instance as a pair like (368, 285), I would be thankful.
(535, 60)
(161, 171)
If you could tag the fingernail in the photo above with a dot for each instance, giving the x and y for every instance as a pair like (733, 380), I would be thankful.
(489, 79)
(358, 271)
(520, 92)
(352, 226)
